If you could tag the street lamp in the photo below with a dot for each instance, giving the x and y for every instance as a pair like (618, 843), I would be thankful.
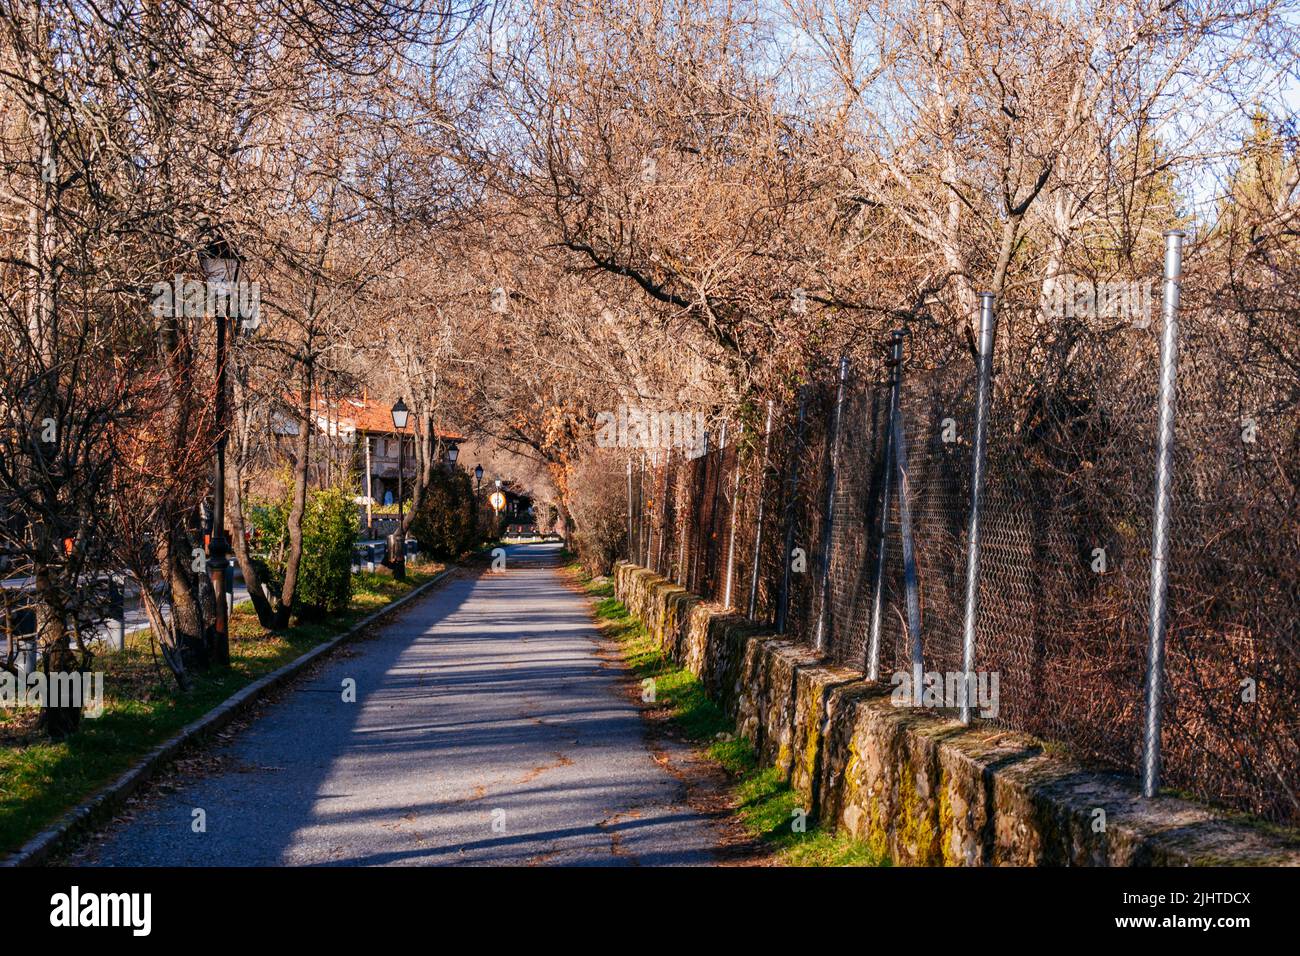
(452, 452)
(220, 265)
(397, 542)
(478, 477)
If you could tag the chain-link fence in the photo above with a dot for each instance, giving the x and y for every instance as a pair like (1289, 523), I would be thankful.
(791, 524)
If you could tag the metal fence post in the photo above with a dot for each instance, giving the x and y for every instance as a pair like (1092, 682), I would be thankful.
(712, 563)
(878, 600)
(792, 489)
(828, 525)
(684, 517)
(731, 537)
(697, 524)
(631, 555)
(910, 584)
(648, 510)
(988, 319)
(663, 506)
(758, 532)
(640, 506)
(1159, 610)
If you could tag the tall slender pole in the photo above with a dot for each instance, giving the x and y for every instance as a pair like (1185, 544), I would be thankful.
(792, 490)
(910, 585)
(1159, 610)
(878, 600)
(640, 505)
(828, 526)
(663, 506)
(758, 530)
(370, 491)
(988, 320)
(631, 555)
(217, 542)
(648, 510)
(712, 564)
(731, 537)
(697, 524)
(683, 514)
(399, 560)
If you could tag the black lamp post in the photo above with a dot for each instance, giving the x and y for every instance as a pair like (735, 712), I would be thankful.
(397, 542)
(220, 265)
(478, 478)
(452, 452)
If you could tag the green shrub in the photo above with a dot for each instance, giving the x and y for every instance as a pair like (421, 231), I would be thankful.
(446, 524)
(329, 533)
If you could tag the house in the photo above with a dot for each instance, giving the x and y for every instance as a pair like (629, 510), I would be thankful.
(362, 441)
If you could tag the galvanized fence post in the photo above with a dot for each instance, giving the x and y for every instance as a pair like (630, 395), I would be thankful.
(828, 525)
(758, 532)
(663, 505)
(683, 531)
(731, 537)
(910, 583)
(878, 599)
(697, 522)
(648, 510)
(712, 563)
(640, 507)
(792, 489)
(988, 318)
(1159, 610)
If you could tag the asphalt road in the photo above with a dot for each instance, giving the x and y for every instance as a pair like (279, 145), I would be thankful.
(486, 730)
(134, 616)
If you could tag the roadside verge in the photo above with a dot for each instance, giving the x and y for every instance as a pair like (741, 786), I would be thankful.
(104, 802)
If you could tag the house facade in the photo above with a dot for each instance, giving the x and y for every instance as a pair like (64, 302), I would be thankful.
(362, 431)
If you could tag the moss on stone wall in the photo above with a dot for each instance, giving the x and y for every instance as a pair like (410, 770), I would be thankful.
(917, 786)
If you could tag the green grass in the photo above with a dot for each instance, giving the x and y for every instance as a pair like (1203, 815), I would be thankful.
(41, 779)
(767, 806)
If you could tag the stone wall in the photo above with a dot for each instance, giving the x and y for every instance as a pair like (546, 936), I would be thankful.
(918, 785)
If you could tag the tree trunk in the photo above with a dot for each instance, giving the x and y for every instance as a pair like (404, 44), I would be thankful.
(58, 718)
(166, 636)
(235, 510)
(238, 544)
(174, 559)
(426, 453)
(302, 448)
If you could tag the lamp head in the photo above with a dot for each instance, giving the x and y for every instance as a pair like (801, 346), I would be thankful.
(400, 415)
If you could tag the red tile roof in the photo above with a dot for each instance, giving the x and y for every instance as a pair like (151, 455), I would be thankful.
(371, 417)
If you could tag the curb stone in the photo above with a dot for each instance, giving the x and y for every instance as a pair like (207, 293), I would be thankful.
(105, 801)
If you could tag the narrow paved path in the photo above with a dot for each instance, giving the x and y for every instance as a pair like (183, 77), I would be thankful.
(486, 731)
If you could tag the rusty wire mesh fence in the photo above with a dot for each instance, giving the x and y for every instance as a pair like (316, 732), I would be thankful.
(1065, 566)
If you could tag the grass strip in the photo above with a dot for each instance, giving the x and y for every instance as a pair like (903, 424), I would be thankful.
(40, 779)
(766, 804)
